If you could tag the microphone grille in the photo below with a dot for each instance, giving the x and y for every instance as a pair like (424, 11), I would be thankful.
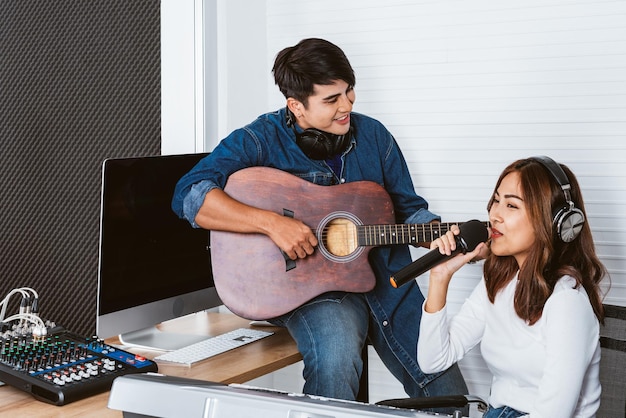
(473, 233)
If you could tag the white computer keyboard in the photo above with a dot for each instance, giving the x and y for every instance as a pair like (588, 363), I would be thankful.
(213, 346)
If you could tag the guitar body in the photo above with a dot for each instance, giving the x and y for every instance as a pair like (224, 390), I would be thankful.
(253, 278)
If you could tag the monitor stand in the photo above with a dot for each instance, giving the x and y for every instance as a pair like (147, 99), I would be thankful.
(154, 339)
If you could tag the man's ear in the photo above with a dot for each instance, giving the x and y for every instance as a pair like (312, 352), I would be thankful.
(295, 106)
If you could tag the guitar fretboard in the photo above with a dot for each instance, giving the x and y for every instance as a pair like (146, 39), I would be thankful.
(375, 235)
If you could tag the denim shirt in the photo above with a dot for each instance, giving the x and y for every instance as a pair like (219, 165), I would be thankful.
(372, 155)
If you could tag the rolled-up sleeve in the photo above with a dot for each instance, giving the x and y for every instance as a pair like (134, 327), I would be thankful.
(194, 200)
(422, 216)
(239, 150)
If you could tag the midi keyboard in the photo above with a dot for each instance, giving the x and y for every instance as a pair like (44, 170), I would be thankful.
(63, 367)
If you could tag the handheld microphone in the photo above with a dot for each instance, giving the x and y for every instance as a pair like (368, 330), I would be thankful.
(472, 233)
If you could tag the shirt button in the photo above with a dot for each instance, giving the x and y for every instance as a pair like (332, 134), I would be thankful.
(385, 323)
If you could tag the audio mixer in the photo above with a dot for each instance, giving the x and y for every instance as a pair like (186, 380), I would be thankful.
(62, 367)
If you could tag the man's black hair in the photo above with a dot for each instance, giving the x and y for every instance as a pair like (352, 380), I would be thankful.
(312, 61)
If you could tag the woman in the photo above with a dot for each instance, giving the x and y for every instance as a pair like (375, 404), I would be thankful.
(537, 310)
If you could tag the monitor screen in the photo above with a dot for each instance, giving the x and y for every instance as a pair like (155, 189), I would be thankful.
(153, 266)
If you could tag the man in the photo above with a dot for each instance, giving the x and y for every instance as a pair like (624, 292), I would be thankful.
(318, 138)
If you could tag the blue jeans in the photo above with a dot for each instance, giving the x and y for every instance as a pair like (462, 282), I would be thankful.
(502, 412)
(332, 330)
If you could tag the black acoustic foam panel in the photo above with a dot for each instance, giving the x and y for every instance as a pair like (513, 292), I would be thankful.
(79, 82)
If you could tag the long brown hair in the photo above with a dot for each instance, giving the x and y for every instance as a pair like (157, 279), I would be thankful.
(550, 258)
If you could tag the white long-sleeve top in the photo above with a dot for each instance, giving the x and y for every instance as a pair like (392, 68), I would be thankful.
(549, 369)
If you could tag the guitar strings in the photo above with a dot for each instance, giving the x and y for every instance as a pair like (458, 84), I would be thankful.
(363, 232)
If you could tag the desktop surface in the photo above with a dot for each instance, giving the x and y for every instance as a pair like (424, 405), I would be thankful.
(236, 366)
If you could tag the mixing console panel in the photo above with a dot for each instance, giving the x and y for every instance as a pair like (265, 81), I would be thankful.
(63, 367)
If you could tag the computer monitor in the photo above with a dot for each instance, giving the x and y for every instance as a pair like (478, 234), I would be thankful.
(153, 266)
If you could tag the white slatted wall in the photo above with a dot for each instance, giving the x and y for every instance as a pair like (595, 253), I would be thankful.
(468, 86)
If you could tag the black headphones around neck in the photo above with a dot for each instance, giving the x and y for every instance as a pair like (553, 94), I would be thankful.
(316, 144)
(567, 220)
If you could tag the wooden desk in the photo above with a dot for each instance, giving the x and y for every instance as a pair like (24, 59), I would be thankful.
(236, 366)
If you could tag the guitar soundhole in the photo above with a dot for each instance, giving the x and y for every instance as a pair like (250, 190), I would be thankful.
(337, 234)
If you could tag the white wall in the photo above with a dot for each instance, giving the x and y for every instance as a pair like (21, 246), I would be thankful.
(180, 70)
(210, 70)
(242, 60)
(466, 87)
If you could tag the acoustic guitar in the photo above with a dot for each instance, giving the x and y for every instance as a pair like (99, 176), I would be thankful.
(254, 278)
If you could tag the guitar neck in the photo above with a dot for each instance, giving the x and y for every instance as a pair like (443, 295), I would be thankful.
(375, 235)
